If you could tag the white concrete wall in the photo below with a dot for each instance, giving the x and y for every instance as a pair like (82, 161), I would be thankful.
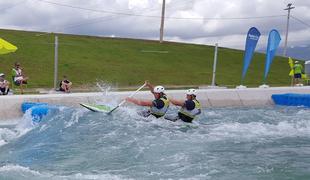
(11, 104)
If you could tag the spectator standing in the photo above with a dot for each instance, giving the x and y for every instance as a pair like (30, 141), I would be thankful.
(18, 76)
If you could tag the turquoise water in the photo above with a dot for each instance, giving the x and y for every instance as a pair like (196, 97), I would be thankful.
(223, 143)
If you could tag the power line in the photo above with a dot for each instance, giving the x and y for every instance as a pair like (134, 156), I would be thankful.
(95, 10)
(112, 17)
(152, 16)
(301, 21)
(179, 4)
(232, 18)
(91, 21)
(121, 15)
(102, 19)
(14, 5)
(264, 33)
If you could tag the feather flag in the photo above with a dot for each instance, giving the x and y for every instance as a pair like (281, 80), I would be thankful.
(272, 46)
(291, 64)
(250, 45)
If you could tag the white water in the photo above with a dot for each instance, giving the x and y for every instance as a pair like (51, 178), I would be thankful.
(224, 143)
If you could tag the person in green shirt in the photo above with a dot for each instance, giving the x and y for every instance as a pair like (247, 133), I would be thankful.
(297, 73)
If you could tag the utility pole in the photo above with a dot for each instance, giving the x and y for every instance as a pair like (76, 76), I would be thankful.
(214, 65)
(162, 22)
(289, 7)
(56, 62)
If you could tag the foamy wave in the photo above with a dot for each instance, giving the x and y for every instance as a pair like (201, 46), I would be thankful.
(23, 126)
(18, 169)
(100, 176)
(21, 172)
(258, 129)
(74, 118)
(7, 135)
(213, 114)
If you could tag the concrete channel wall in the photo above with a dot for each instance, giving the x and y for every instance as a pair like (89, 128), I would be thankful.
(11, 104)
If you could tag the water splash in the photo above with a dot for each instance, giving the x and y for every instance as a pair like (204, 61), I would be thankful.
(223, 143)
(104, 87)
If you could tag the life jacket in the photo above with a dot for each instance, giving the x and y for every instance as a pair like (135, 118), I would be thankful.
(191, 113)
(160, 112)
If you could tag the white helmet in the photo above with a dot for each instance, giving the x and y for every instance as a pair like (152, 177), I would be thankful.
(296, 62)
(159, 89)
(191, 92)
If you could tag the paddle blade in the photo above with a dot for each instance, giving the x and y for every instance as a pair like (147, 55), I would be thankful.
(97, 108)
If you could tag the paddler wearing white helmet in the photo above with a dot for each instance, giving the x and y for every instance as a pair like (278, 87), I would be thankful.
(158, 107)
(190, 108)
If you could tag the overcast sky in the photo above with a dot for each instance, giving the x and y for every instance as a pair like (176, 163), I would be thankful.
(192, 21)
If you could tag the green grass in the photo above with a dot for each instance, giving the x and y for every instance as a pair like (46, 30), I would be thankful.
(85, 60)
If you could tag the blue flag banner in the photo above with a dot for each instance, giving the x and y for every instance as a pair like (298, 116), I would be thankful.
(250, 45)
(272, 46)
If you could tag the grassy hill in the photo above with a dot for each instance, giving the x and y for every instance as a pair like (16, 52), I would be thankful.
(127, 62)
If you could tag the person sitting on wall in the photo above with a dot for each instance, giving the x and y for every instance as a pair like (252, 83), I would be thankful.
(65, 85)
(190, 108)
(18, 76)
(297, 73)
(4, 85)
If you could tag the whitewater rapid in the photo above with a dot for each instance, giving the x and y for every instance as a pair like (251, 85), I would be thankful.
(223, 143)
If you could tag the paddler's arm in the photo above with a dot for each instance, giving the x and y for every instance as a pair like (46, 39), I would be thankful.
(150, 86)
(176, 102)
(139, 102)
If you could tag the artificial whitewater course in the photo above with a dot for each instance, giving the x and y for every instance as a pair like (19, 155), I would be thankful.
(269, 142)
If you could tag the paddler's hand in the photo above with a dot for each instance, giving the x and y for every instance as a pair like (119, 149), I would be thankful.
(147, 83)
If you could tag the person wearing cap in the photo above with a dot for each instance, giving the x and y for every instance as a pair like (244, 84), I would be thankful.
(297, 73)
(4, 85)
(158, 107)
(18, 76)
(190, 108)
